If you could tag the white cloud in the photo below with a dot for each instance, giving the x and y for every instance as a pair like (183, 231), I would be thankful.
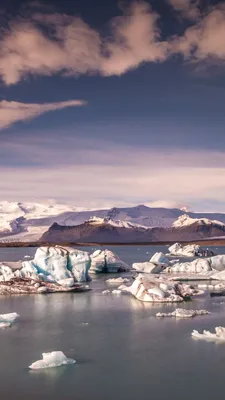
(188, 9)
(204, 40)
(13, 111)
(73, 47)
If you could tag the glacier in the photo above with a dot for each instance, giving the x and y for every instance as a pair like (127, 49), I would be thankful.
(105, 261)
(53, 359)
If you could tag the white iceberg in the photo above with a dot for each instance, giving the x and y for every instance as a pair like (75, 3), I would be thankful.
(106, 262)
(6, 320)
(198, 266)
(53, 359)
(106, 291)
(147, 267)
(219, 334)
(149, 289)
(156, 264)
(182, 313)
(159, 259)
(190, 250)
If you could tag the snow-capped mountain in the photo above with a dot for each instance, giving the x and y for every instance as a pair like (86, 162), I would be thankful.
(105, 230)
(28, 221)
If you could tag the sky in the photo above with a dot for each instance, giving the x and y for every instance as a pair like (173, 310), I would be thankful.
(113, 103)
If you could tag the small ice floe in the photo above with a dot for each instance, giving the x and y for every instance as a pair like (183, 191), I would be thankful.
(119, 280)
(182, 313)
(219, 334)
(105, 291)
(53, 359)
(6, 320)
(116, 291)
(85, 323)
(27, 256)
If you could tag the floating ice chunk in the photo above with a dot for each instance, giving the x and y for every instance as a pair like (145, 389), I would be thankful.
(182, 313)
(116, 291)
(5, 324)
(105, 291)
(198, 266)
(106, 261)
(219, 334)
(117, 280)
(147, 288)
(147, 267)
(190, 250)
(53, 359)
(217, 262)
(11, 317)
(159, 259)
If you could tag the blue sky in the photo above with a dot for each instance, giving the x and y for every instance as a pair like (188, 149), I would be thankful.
(147, 124)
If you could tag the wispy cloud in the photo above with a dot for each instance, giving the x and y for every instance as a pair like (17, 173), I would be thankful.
(13, 111)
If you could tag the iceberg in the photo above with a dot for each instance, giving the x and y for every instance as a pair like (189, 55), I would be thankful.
(156, 264)
(147, 267)
(219, 334)
(182, 313)
(106, 291)
(149, 289)
(160, 260)
(198, 266)
(106, 262)
(190, 250)
(53, 359)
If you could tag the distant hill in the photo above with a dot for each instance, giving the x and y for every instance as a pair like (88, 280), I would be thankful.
(107, 230)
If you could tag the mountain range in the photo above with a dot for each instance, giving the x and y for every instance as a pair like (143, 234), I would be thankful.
(31, 222)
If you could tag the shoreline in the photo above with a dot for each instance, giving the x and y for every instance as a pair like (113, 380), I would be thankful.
(204, 242)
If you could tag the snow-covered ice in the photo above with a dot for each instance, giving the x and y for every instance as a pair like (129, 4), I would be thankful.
(183, 313)
(106, 261)
(53, 359)
(106, 291)
(219, 334)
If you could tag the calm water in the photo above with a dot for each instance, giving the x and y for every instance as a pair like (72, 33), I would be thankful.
(124, 352)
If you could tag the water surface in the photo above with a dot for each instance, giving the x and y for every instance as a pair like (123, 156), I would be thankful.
(122, 350)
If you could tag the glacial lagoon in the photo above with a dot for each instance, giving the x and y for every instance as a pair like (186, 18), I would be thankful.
(122, 350)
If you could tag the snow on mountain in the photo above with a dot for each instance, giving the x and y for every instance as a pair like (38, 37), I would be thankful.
(13, 215)
(28, 221)
(185, 220)
(117, 223)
